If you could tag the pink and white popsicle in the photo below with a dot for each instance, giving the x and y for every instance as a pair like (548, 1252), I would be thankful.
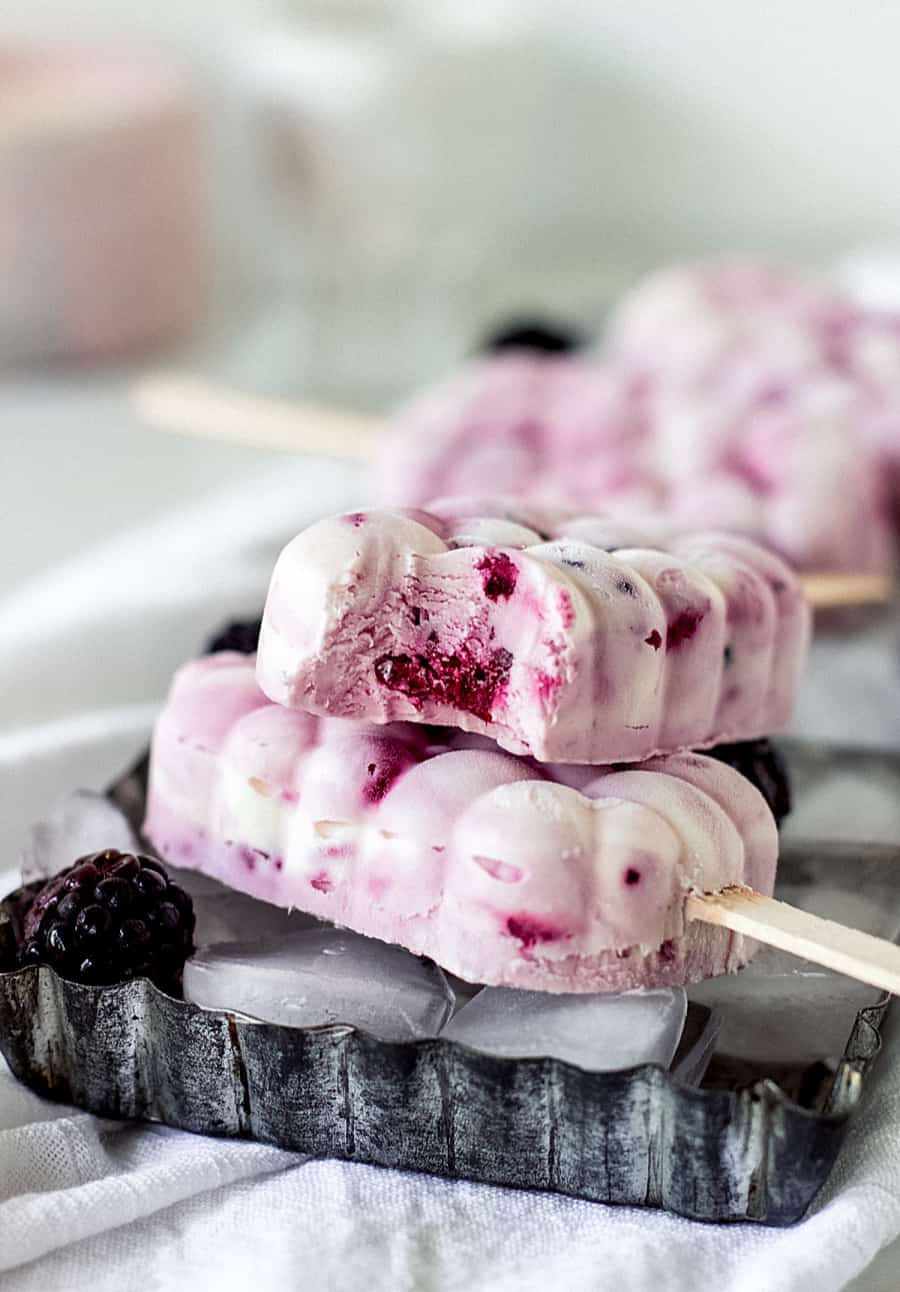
(540, 426)
(771, 398)
(558, 879)
(736, 392)
(567, 638)
(684, 318)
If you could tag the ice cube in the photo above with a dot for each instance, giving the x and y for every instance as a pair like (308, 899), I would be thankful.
(323, 975)
(224, 915)
(81, 822)
(783, 1009)
(697, 1044)
(196, 883)
(462, 991)
(600, 1032)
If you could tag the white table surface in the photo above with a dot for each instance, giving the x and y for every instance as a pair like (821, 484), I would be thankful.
(75, 466)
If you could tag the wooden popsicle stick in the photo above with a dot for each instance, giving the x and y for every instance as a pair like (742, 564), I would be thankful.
(836, 946)
(833, 591)
(191, 406)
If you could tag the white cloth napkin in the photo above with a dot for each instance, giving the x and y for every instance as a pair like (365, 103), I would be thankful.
(85, 654)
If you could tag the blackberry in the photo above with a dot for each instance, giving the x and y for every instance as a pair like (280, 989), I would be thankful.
(110, 917)
(764, 767)
(240, 635)
(534, 334)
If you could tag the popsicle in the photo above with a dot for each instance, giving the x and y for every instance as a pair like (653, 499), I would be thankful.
(541, 425)
(568, 638)
(491, 865)
(686, 316)
(815, 485)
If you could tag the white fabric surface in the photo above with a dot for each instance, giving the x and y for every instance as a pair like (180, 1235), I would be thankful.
(87, 651)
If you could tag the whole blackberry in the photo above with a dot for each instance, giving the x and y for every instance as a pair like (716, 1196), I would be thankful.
(534, 334)
(764, 767)
(240, 635)
(108, 918)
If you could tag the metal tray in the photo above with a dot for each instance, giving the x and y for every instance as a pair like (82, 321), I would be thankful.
(742, 1147)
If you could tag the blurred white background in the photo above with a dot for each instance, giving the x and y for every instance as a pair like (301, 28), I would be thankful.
(453, 161)
(663, 128)
(389, 178)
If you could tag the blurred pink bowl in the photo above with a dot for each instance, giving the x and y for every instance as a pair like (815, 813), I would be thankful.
(101, 212)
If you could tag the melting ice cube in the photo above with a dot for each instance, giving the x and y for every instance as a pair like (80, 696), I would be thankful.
(780, 1009)
(224, 915)
(81, 822)
(783, 1009)
(462, 991)
(697, 1045)
(323, 975)
(602, 1032)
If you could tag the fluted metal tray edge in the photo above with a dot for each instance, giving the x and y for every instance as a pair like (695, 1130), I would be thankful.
(635, 1137)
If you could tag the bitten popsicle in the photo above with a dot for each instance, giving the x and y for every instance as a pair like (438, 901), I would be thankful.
(568, 638)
